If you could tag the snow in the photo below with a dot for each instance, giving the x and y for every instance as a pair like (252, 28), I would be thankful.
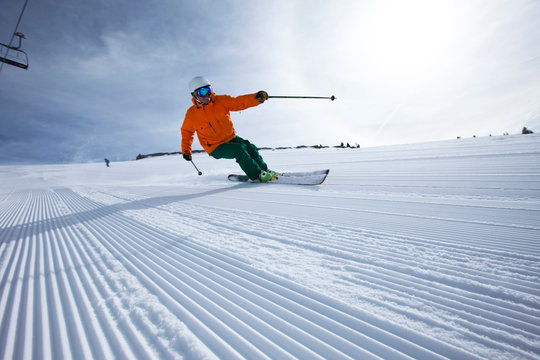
(422, 251)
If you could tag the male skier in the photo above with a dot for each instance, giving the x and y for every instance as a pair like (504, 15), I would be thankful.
(210, 118)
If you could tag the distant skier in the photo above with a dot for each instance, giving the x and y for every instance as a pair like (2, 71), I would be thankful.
(210, 118)
(107, 162)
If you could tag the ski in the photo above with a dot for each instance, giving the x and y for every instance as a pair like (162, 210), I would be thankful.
(292, 178)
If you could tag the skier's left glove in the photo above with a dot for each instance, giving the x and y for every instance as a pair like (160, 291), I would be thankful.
(187, 156)
(261, 96)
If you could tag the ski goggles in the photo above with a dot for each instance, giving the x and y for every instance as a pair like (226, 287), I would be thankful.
(204, 91)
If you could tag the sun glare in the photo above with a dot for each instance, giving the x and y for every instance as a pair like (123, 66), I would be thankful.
(407, 36)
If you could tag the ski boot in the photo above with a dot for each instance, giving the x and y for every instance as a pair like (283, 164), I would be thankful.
(274, 174)
(265, 176)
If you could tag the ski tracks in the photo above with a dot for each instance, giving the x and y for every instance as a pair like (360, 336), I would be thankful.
(64, 296)
(486, 298)
(108, 276)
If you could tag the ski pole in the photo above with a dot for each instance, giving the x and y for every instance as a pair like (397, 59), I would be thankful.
(200, 173)
(304, 97)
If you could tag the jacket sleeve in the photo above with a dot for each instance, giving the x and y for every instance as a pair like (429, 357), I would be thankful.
(187, 134)
(241, 102)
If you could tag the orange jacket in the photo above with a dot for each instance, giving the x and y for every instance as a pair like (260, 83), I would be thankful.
(213, 122)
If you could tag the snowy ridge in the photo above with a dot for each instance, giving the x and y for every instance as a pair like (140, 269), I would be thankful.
(420, 251)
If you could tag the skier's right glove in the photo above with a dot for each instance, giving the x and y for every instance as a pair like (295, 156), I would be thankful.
(187, 156)
(261, 96)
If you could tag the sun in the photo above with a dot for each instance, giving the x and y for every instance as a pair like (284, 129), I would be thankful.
(407, 36)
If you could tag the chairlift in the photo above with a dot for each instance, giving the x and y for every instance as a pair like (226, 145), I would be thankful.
(18, 57)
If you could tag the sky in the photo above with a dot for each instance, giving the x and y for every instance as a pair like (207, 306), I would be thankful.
(109, 78)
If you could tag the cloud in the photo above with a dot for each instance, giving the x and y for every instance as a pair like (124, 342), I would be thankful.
(111, 77)
(121, 54)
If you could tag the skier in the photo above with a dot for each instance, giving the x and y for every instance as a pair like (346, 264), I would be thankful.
(210, 118)
(107, 162)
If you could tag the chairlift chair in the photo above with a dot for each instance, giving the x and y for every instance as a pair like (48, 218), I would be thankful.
(19, 58)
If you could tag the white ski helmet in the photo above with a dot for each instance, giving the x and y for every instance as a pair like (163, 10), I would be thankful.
(198, 82)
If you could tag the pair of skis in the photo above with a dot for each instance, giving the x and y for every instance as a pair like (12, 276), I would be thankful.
(292, 178)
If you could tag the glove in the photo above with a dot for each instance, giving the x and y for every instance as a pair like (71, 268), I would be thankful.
(261, 96)
(187, 156)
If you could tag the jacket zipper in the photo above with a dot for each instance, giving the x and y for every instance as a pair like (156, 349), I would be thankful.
(209, 123)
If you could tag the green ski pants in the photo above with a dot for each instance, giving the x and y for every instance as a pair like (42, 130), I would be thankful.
(246, 155)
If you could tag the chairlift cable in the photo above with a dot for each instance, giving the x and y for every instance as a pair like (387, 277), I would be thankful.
(14, 32)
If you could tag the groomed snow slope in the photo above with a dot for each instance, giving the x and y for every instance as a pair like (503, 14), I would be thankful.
(422, 251)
